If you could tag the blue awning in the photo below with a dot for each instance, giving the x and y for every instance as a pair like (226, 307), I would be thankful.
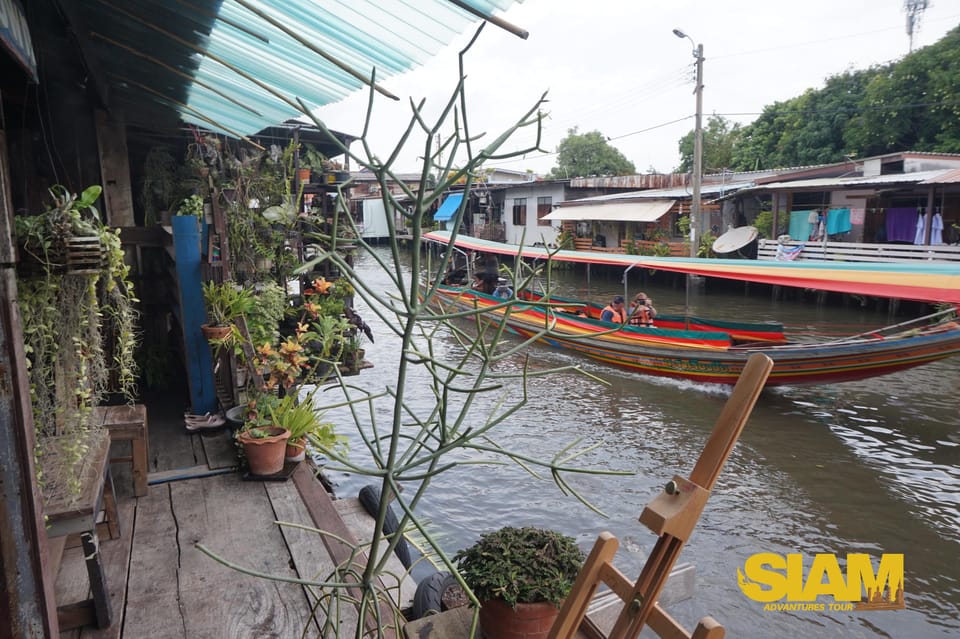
(448, 208)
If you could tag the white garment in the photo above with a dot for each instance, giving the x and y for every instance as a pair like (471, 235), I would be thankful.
(921, 227)
(936, 229)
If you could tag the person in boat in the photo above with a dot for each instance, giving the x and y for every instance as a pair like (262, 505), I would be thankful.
(615, 311)
(484, 282)
(503, 290)
(642, 311)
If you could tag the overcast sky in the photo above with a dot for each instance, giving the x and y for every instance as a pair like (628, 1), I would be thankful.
(615, 66)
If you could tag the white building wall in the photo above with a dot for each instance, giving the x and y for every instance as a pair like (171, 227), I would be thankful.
(532, 233)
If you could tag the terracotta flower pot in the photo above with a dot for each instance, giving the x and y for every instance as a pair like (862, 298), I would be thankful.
(528, 621)
(296, 449)
(215, 332)
(265, 455)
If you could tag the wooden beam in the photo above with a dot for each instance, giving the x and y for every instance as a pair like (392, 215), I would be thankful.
(339, 539)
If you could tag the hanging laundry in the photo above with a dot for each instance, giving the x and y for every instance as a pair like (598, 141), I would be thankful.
(901, 224)
(800, 226)
(936, 229)
(838, 221)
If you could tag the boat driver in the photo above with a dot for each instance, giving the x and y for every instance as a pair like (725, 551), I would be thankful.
(614, 311)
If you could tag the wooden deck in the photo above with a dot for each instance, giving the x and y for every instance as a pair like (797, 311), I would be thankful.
(162, 586)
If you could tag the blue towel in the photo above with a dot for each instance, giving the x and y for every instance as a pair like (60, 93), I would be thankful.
(838, 221)
(800, 226)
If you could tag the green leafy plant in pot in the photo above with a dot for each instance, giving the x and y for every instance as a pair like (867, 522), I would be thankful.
(225, 302)
(302, 421)
(520, 576)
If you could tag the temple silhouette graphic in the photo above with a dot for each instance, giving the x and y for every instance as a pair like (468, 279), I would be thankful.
(877, 599)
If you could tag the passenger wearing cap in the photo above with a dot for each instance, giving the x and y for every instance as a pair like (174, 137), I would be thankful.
(614, 312)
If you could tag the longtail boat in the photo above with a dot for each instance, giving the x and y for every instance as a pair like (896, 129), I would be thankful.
(715, 352)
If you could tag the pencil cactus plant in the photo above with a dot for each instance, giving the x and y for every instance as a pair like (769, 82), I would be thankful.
(411, 443)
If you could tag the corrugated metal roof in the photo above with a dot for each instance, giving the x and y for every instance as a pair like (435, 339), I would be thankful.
(950, 177)
(267, 53)
(659, 194)
(919, 177)
(237, 67)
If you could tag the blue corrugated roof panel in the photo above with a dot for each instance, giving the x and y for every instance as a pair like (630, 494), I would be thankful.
(448, 208)
(250, 57)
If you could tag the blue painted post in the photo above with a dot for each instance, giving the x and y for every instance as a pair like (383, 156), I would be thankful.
(186, 243)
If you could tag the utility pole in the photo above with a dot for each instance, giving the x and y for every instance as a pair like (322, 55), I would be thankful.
(696, 221)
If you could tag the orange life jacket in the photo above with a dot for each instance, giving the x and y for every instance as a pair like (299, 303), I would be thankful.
(619, 317)
(641, 316)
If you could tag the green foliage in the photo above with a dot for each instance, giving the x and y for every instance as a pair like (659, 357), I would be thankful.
(311, 158)
(80, 327)
(907, 105)
(158, 189)
(565, 240)
(226, 302)
(521, 565)
(267, 312)
(191, 205)
(580, 155)
(764, 224)
(705, 245)
(720, 138)
(661, 249)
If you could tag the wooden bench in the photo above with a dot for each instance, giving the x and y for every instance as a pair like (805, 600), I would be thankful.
(68, 513)
(128, 423)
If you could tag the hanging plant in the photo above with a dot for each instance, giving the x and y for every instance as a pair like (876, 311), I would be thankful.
(82, 330)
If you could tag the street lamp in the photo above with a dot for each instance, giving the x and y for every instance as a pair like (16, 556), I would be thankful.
(695, 220)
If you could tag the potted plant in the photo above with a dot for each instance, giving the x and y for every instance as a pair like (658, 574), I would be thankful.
(301, 420)
(520, 576)
(264, 447)
(225, 302)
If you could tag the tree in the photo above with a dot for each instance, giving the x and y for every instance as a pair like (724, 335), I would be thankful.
(720, 138)
(913, 104)
(586, 154)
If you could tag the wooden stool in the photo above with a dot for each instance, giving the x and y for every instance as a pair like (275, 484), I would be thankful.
(77, 515)
(128, 423)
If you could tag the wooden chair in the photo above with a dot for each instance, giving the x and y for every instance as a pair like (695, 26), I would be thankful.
(672, 515)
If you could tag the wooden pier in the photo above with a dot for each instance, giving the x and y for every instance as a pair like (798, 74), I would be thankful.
(160, 584)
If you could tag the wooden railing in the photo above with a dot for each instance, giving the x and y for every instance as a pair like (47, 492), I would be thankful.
(854, 252)
(645, 247)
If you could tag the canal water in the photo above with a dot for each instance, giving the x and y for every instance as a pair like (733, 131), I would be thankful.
(860, 467)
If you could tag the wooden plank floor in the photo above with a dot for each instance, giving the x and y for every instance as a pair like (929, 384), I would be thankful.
(161, 586)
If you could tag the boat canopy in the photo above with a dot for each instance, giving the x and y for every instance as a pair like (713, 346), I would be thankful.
(923, 281)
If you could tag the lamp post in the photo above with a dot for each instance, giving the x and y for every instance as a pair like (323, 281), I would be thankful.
(695, 221)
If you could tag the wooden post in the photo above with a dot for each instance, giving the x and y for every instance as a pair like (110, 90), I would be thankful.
(27, 604)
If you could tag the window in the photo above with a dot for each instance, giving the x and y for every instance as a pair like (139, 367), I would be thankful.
(544, 206)
(520, 212)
